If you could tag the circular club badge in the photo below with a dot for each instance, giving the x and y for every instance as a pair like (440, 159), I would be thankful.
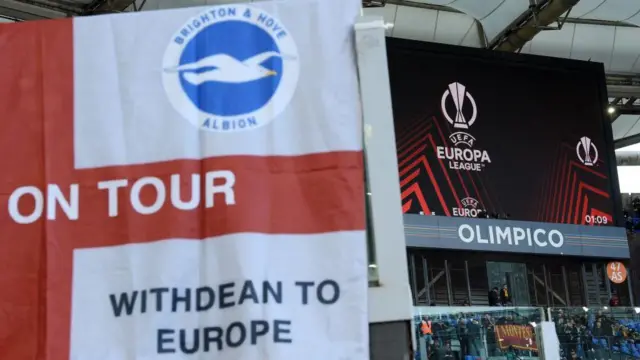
(231, 68)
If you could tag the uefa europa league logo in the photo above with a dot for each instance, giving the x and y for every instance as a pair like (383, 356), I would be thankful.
(587, 151)
(459, 94)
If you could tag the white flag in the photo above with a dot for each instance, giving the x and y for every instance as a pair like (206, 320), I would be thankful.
(184, 184)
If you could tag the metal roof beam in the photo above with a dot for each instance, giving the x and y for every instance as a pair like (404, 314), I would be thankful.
(623, 91)
(56, 5)
(107, 6)
(627, 141)
(373, 3)
(540, 20)
(422, 5)
(515, 23)
(635, 110)
(24, 11)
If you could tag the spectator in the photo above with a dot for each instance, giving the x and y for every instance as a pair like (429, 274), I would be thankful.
(511, 354)
(457, 335)
(448, 353)
(574, 356)
(571, 335)
(614, 301)
(492, 343)
(463, 337)
(475, 337)
(439, 352)
(598, 336)
(494, 297)
(426, 329)
(439, 330)
(505, 296)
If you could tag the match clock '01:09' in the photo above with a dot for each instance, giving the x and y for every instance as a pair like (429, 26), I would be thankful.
(596, 220)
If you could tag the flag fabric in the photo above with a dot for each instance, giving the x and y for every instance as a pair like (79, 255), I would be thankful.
(521, 337)
(183, 184)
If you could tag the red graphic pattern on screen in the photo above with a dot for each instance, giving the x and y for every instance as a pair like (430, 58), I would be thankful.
(414, 142)
(571, 190)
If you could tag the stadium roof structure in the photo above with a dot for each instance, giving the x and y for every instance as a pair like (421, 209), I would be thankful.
(605, 31)
(21, 10)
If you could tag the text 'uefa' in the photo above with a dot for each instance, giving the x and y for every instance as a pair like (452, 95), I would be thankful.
(145, 195)
(208, 337)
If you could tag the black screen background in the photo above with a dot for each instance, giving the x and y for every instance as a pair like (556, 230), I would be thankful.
(530, 118)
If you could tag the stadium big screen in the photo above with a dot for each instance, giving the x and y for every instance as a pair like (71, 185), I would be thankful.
(520, 136)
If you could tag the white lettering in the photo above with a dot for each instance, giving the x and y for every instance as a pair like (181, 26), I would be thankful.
(477, 154)
(226, 188)
(469, 202)
(480, 239)
(27, 204)
(38, 207)
(458, 154)
(455, 165)
(69, 207)
(558, 234)
(112, 187)
(503, 234)
(498, 235)
(468, 239)
(464, 212)
(536, 238)
(161, 195)
(176, 187)
(617, 276)
(216, 182)
(462, 138)
(518, 234)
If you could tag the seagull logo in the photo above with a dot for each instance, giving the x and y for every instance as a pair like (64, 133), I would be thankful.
(226, 68)
(231, 68)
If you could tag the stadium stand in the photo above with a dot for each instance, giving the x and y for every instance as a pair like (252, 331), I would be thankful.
(607, 333)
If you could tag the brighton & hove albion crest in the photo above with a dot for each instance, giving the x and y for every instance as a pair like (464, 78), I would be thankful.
(461, 99)
(231, 68)
(587, 151)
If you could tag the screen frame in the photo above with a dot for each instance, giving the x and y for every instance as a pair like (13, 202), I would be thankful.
(588, 68)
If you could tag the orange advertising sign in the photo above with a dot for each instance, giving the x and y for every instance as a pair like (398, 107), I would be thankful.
(616, 272)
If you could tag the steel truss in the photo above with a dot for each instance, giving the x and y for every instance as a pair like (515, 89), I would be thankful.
(20, 10)
(625, 105)
(111, 6)
(373, 3)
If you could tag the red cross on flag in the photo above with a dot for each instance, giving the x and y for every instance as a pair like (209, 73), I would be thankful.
(183, 184)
